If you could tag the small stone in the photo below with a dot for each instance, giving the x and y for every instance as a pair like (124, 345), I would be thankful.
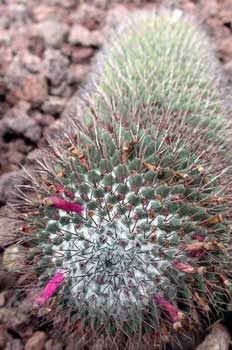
(225, 48)
(55, 66)
(77, 72)
(63, 89)
(52, 345)
(89, 15)
(4, 337)
(80, 54)
(42, 120)
(31, 62)
(17, 121)
(42, 12)
(19, 14)
(80, 35)
(34, 89)
(15, 73)
(36, 342)
(218, 339)
(225, 12)
(14, 344)
(52, 31)
(6, 59)
(12, 318)
(54, 105)
(36, 45)
(33, 133)
(5, 37)
(66, 50)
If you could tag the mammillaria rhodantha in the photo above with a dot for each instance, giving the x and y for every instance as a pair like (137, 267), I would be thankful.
(130, 229)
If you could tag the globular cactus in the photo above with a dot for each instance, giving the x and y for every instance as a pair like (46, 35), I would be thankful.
(129, 228)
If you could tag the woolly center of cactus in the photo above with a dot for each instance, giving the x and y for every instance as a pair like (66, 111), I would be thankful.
(111, 256)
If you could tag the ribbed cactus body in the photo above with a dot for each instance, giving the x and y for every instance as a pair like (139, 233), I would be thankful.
(134, 210)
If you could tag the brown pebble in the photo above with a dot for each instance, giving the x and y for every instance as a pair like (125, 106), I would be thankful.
(36, 341)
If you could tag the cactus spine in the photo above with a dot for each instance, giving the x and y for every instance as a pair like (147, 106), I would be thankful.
(132, 215)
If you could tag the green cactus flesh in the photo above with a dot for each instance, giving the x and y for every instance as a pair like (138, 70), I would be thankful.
(148, 162)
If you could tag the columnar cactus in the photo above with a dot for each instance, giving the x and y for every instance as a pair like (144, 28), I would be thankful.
(129, 228)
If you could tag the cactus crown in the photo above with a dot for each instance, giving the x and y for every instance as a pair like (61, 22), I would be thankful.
(133, 207)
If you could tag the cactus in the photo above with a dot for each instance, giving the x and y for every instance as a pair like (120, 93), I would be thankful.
(129, 228)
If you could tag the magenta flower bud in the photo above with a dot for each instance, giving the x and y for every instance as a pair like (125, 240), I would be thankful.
(61, 189)
(184, 267)
(60, 203)
(50, 288)
(172, 311)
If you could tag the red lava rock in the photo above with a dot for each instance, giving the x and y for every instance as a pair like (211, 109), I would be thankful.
(36, 342)
(225, 11)
(36, 45)
(55, 66)
(12, 318)
(17, 121)
(54, 105)
(225, 48)
(89, 15)
(52, 31)
(218, 339)
(63, 90)
(14, 344)
(5, 37)
(52, 345)
(42, 120)
(20, 41)
(31, 62)
(18, 13)
(4, 337)
(79, 35)
(66, 50)
(34, 89)
(77, 72)
(42, 12)
(14, 74)
(6, 59)
(80, 54)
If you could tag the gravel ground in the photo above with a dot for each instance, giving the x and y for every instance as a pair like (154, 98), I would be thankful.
(45, 48)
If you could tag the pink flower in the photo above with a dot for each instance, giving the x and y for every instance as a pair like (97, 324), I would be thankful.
(184, 267)
(172, 311)
(50, 288)
(61, 189)
(60, 203)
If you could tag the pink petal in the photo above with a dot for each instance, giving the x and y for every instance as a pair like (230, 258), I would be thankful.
(184, 267)
(60, 203)
(173, 312)
(50, 288)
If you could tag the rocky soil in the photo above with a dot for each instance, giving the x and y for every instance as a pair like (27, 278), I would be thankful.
(45, 52)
